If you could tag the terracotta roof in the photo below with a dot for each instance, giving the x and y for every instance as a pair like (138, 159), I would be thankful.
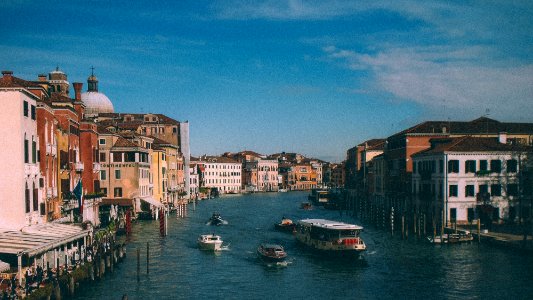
(55, 97)
(140, 118)
(218, 159)
(479, 125)
(10, 81)
(471, 144)
(122, 142)
(374, 144)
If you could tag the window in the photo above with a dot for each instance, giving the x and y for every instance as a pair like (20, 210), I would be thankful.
(512, 189)
(453, 166)
(33, 152)
(453, 214)
(496, 166)
(103, 175)
(35, 198)
(470, 214)
(470, 166)
(118, 192)
(483, 189)
(103, 191)
(26, 151)
(469, 190)
(117, 156)
(496, 189)
(483, 165)
(117, 174)
(441, 166)
(130, 157)
(512, 166)
(101, 141)
(102, 157)
(453, 190)
(25, 108)
(27, 198)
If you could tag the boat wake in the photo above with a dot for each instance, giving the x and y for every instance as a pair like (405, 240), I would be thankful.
(224, 247)
(279, 264)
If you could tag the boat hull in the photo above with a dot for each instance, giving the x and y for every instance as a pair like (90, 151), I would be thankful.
(331, 247)
(210, 246)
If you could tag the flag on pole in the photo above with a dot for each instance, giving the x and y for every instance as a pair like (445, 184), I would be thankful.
(78, 192)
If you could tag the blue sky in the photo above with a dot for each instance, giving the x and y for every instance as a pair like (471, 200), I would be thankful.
(314, 77)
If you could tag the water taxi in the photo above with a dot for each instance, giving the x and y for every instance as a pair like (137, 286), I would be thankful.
(210, 242)
(271, 252)
(330, 236)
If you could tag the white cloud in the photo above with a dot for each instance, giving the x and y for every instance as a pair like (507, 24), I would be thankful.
(437, 76)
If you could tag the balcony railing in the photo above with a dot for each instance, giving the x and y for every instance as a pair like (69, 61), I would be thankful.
(96, 167)
(78, 166)
(49, 193)
(51, 149)
(31, 170)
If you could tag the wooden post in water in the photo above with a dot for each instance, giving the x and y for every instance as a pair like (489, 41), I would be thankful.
(403, 226)
(147, 257)
(138, 264)
(478, 231)
(392, 221)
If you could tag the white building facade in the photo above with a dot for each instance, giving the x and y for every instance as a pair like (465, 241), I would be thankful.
(456, 182)
(222, 173)
(20, 180)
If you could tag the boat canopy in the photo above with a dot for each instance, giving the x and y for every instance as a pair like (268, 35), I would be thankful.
(328, 224)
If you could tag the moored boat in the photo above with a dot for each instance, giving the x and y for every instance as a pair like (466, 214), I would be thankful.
(306, 206)
(285, 225)
(330, 236)
(271, 252)
(210, 242)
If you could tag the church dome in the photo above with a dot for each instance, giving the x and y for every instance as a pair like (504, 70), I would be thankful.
(95, 102)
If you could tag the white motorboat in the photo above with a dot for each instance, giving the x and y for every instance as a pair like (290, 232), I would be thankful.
(210, 242)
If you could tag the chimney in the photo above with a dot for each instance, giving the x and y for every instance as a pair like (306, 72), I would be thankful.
(42, 77)
(502, 137)
(7, 74)
(77, 90)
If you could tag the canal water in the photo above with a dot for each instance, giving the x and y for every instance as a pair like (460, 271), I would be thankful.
(391, 268)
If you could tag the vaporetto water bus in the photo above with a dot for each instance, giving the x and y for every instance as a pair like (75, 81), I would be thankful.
(330, 236)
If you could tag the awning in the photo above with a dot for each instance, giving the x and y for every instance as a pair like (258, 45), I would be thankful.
(37, 239)
(4, 266)
(152, 201)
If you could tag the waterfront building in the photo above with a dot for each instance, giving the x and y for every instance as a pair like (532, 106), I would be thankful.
(168, 162)
(378, 169)
(125, 175)
(301, 176)
(159, 126)
(222, 173)
(460, 179)
(261, 175)
(336, 172)
(194, 178)
(401, 146)
(357, 161)
(48, 159)
(21, 182)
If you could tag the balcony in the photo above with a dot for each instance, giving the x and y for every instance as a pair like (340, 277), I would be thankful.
(31, 170)
(51, 149)
(54, 192)
(96, 167)
(49, 193)
(78, 166)
(173, 188)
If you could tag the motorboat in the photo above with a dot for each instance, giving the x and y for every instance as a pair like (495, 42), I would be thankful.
(216, 220)
(460, 237)
(210, 242)
(306, 206)
(285, 225)
(271, 252)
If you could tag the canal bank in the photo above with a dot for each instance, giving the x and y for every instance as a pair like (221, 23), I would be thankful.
(391, 268)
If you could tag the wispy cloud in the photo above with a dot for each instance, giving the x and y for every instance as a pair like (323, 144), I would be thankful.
(435, 76)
